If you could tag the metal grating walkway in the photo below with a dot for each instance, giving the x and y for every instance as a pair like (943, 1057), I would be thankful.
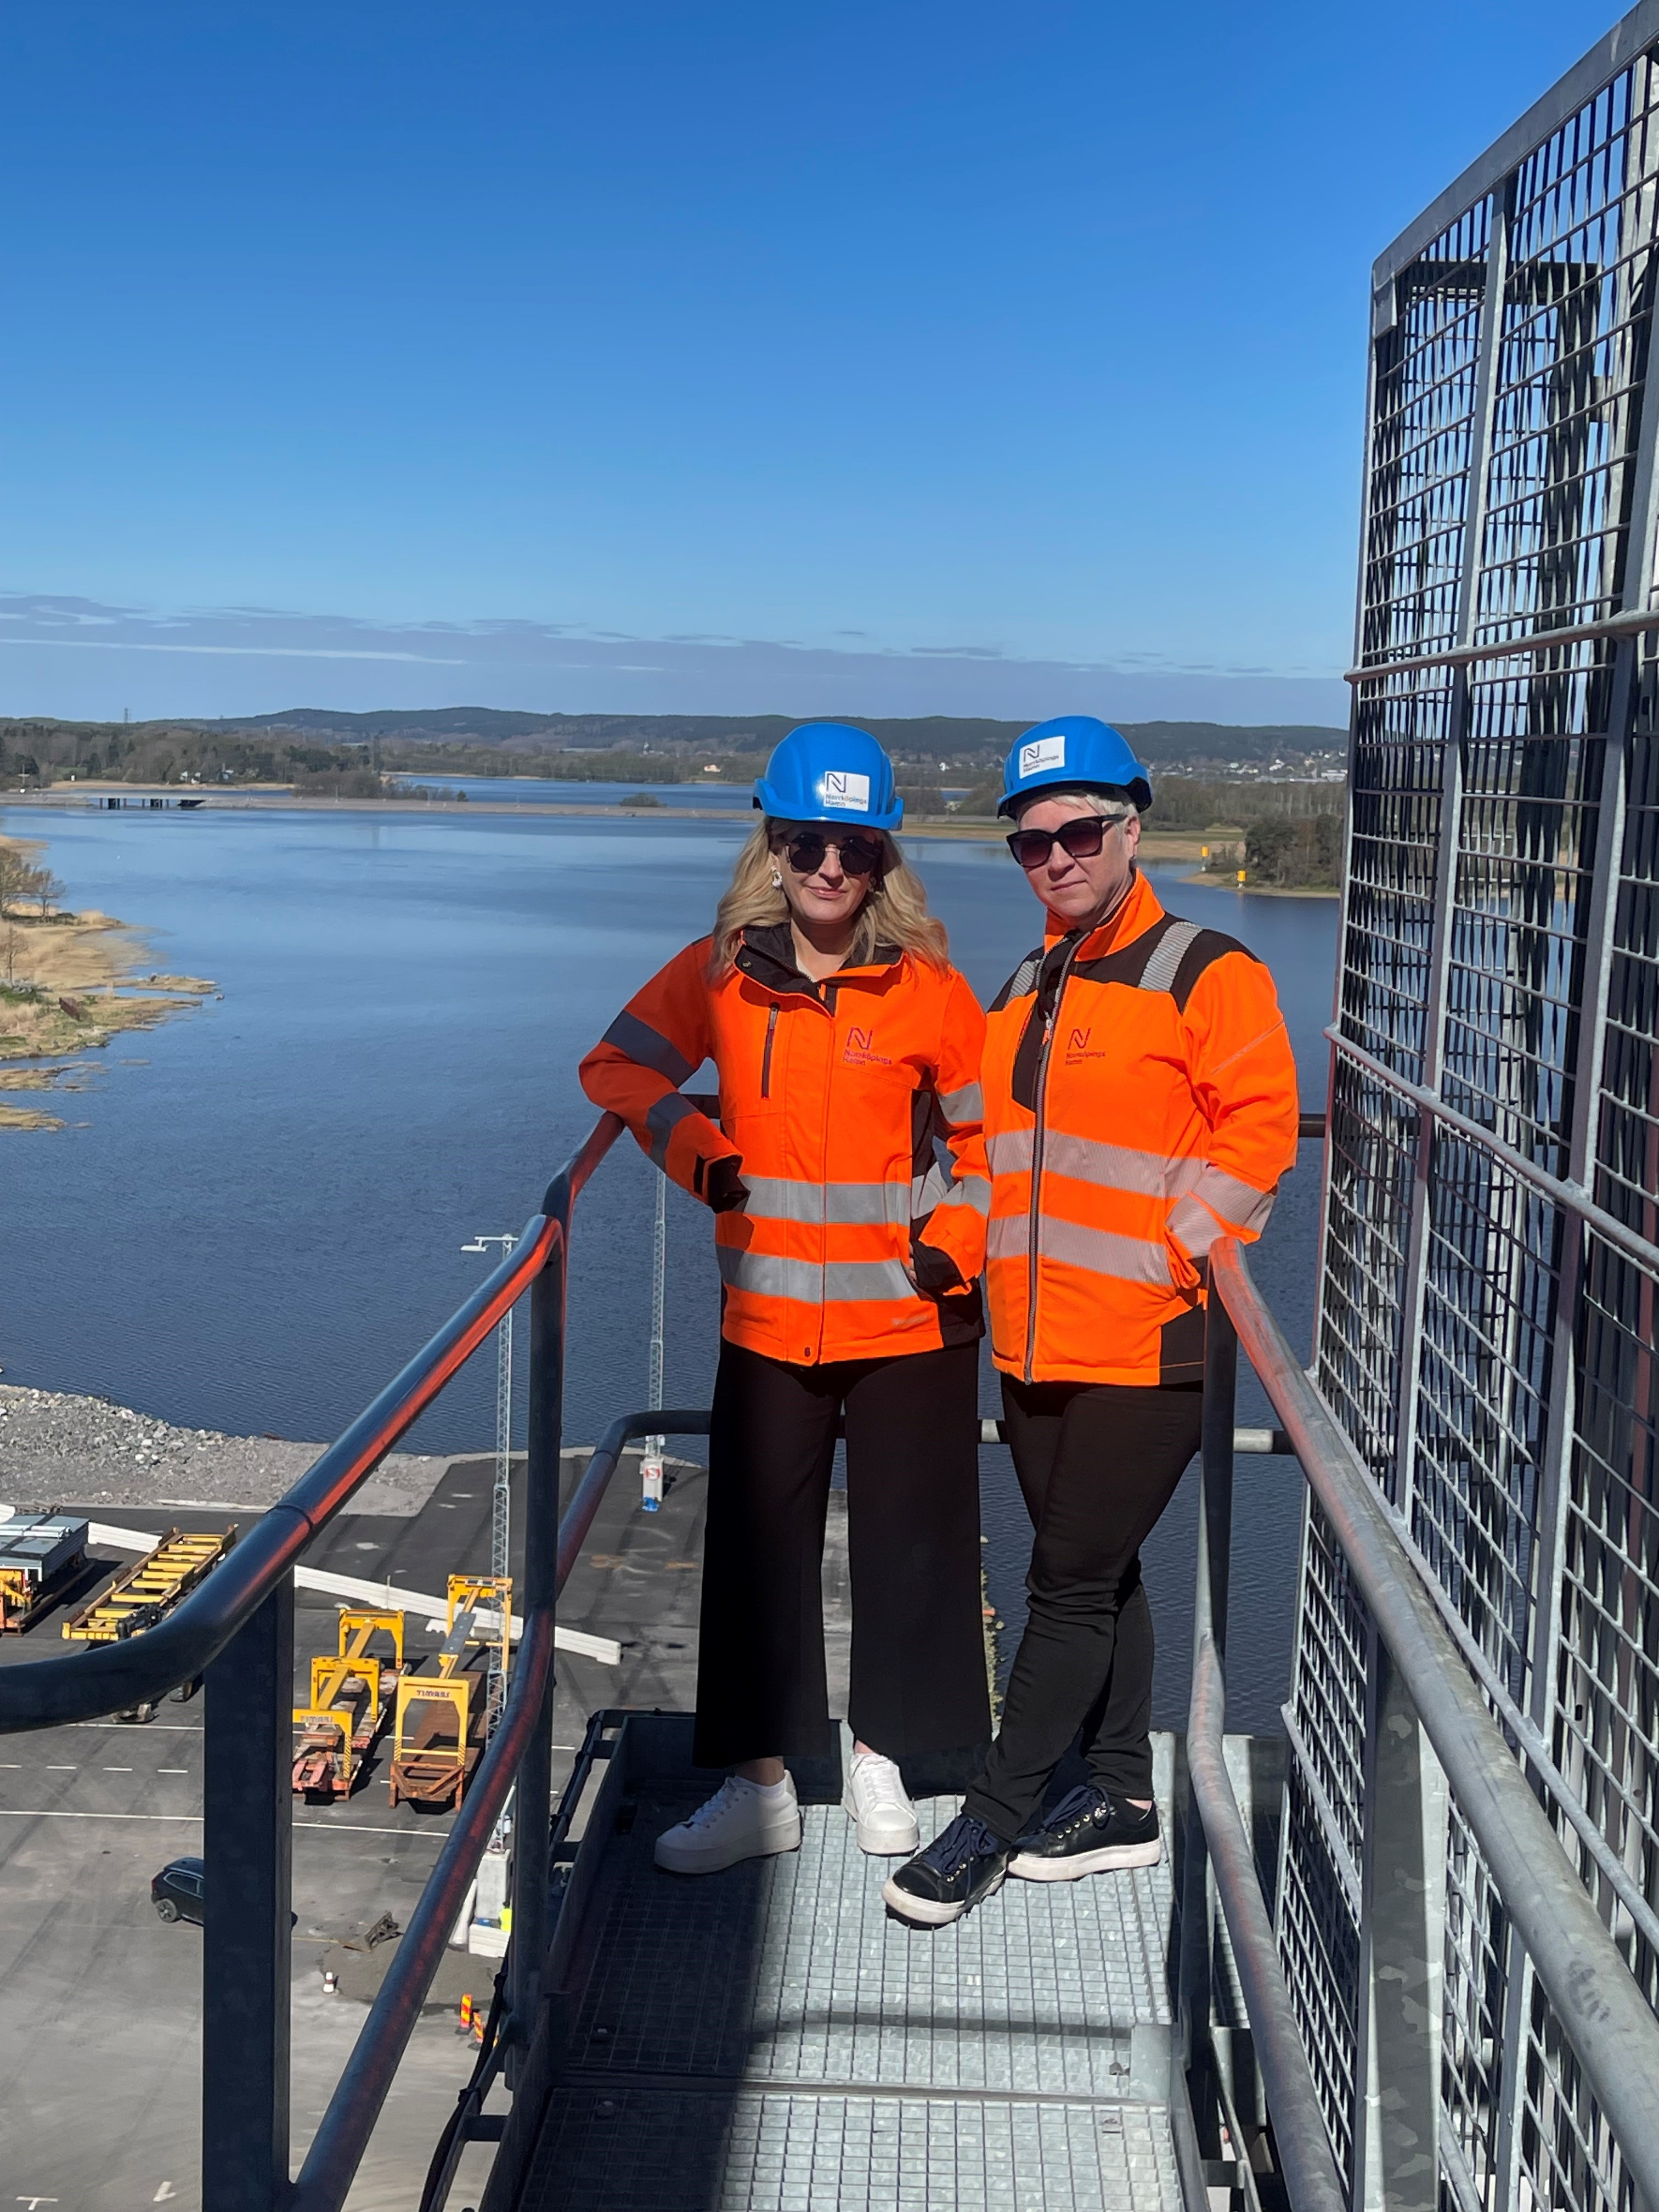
(766, 2038)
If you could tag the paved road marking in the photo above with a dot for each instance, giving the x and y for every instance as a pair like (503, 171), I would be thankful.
(117, 1769)
(174, 1819)
(22, 1813)
(155, 1728)
(357, 1828)
(62, 1770)
(173, 1770)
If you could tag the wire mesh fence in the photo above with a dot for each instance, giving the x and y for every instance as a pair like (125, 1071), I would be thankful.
(1488, 1330)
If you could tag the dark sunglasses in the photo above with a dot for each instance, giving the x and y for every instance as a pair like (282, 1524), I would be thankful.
(1081, 838)
(858, 856)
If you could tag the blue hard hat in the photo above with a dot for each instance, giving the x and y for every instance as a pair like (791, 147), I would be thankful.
(830, 772)
(1072, 752)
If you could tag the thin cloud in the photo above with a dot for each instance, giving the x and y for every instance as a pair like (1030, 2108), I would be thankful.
(552, 667)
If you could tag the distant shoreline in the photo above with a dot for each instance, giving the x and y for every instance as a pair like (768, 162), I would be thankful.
(1156, 844)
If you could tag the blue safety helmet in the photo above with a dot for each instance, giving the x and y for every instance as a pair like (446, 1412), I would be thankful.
(1073, 752)
(830, 772)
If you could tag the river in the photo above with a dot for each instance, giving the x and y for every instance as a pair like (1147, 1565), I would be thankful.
(258, 1213)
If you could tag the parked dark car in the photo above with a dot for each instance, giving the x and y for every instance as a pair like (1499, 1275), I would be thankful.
(176, 1892)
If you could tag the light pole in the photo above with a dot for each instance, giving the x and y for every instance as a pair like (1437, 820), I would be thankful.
(500, 1502)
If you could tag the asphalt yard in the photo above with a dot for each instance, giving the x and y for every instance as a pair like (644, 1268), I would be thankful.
(100, 2000)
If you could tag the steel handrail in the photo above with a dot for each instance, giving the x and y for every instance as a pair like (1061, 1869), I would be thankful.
(112, 1677)
(1299, 2132)
(342, 2135)
(578, 1516)
(338, 2147)
(1603, 2014)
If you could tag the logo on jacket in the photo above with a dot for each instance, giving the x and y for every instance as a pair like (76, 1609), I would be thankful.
(1078, 1048)
(844, 787)
(860, 1050)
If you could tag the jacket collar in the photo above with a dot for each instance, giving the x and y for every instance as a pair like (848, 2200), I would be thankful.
(1139, 909)
(767, 955)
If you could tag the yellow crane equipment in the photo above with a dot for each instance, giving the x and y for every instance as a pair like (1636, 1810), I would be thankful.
(348, 1706)
(147, 1591)
(439, 1721)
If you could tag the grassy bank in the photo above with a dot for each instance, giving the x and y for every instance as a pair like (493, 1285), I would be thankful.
(69, 983)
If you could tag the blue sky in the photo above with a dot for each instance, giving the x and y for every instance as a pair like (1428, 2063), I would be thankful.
(899, 358)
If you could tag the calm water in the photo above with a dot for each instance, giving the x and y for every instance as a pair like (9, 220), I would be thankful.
(261, 1217)
(563, 791)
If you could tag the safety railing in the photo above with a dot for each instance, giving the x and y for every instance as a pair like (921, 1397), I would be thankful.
(236, 1631)
(1601, 2010)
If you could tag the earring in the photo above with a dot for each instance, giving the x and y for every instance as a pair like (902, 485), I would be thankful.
(777, 881)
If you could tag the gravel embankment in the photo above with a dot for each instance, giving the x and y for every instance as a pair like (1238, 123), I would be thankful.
(57, 1449)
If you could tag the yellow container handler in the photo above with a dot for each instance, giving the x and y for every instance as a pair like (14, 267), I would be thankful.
(348, 1707)
(441, 1719)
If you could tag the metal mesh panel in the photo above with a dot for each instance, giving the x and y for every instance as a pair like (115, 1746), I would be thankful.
(1372, 1150)
(1576, 309)
(1606, 1710)
(1566, 2154)
(1514, 968)
(1627, 1154)
(1472, 2047)
(1328, 1692)
(1494, 1356)
(1319, 1945)
(1488, 1317)
(1421, 444)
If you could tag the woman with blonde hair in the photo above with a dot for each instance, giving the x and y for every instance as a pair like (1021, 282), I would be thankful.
(847, 1177)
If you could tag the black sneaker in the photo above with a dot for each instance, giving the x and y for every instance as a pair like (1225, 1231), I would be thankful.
(1088, 1832)
(963, 1864)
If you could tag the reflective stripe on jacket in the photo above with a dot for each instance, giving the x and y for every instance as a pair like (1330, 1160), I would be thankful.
(836, 1099)
(1141, 1100)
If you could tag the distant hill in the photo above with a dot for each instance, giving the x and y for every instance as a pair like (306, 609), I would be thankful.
(306, 744)
(932, 737)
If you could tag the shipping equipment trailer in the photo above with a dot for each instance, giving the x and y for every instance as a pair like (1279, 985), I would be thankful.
(443, 1719)
(40, 1553)
(348, 1709)
(147, 1591)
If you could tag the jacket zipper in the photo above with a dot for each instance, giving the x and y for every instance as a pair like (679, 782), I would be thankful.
(766, 1057)
(1035, 1215)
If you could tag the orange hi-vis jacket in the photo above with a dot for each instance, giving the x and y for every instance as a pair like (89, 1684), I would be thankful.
(1140, 1102)
(852, 1242)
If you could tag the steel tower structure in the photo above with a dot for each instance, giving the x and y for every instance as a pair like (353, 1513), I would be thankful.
(1488, 1324)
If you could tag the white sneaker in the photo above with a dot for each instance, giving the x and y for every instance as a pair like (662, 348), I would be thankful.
(736, 1823)
(883, 1815)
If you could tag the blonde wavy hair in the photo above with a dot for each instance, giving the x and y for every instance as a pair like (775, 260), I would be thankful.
(894, 912)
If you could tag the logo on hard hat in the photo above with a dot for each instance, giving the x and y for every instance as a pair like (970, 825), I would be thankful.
(845, 787)
(1047, 753)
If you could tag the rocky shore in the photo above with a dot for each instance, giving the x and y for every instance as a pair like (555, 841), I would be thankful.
(59, 1450)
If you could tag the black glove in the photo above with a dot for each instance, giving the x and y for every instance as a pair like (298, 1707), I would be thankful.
(935, 1272)
(723, 1188)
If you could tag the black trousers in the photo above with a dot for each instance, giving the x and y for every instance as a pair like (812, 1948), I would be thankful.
(1097, 1462)
(918, 1667)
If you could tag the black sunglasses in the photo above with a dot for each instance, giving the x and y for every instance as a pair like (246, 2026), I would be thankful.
(1082, 839)
(858, 856)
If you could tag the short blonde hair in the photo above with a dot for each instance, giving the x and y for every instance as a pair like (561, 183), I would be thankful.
(894, 912)
(1108, 799)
